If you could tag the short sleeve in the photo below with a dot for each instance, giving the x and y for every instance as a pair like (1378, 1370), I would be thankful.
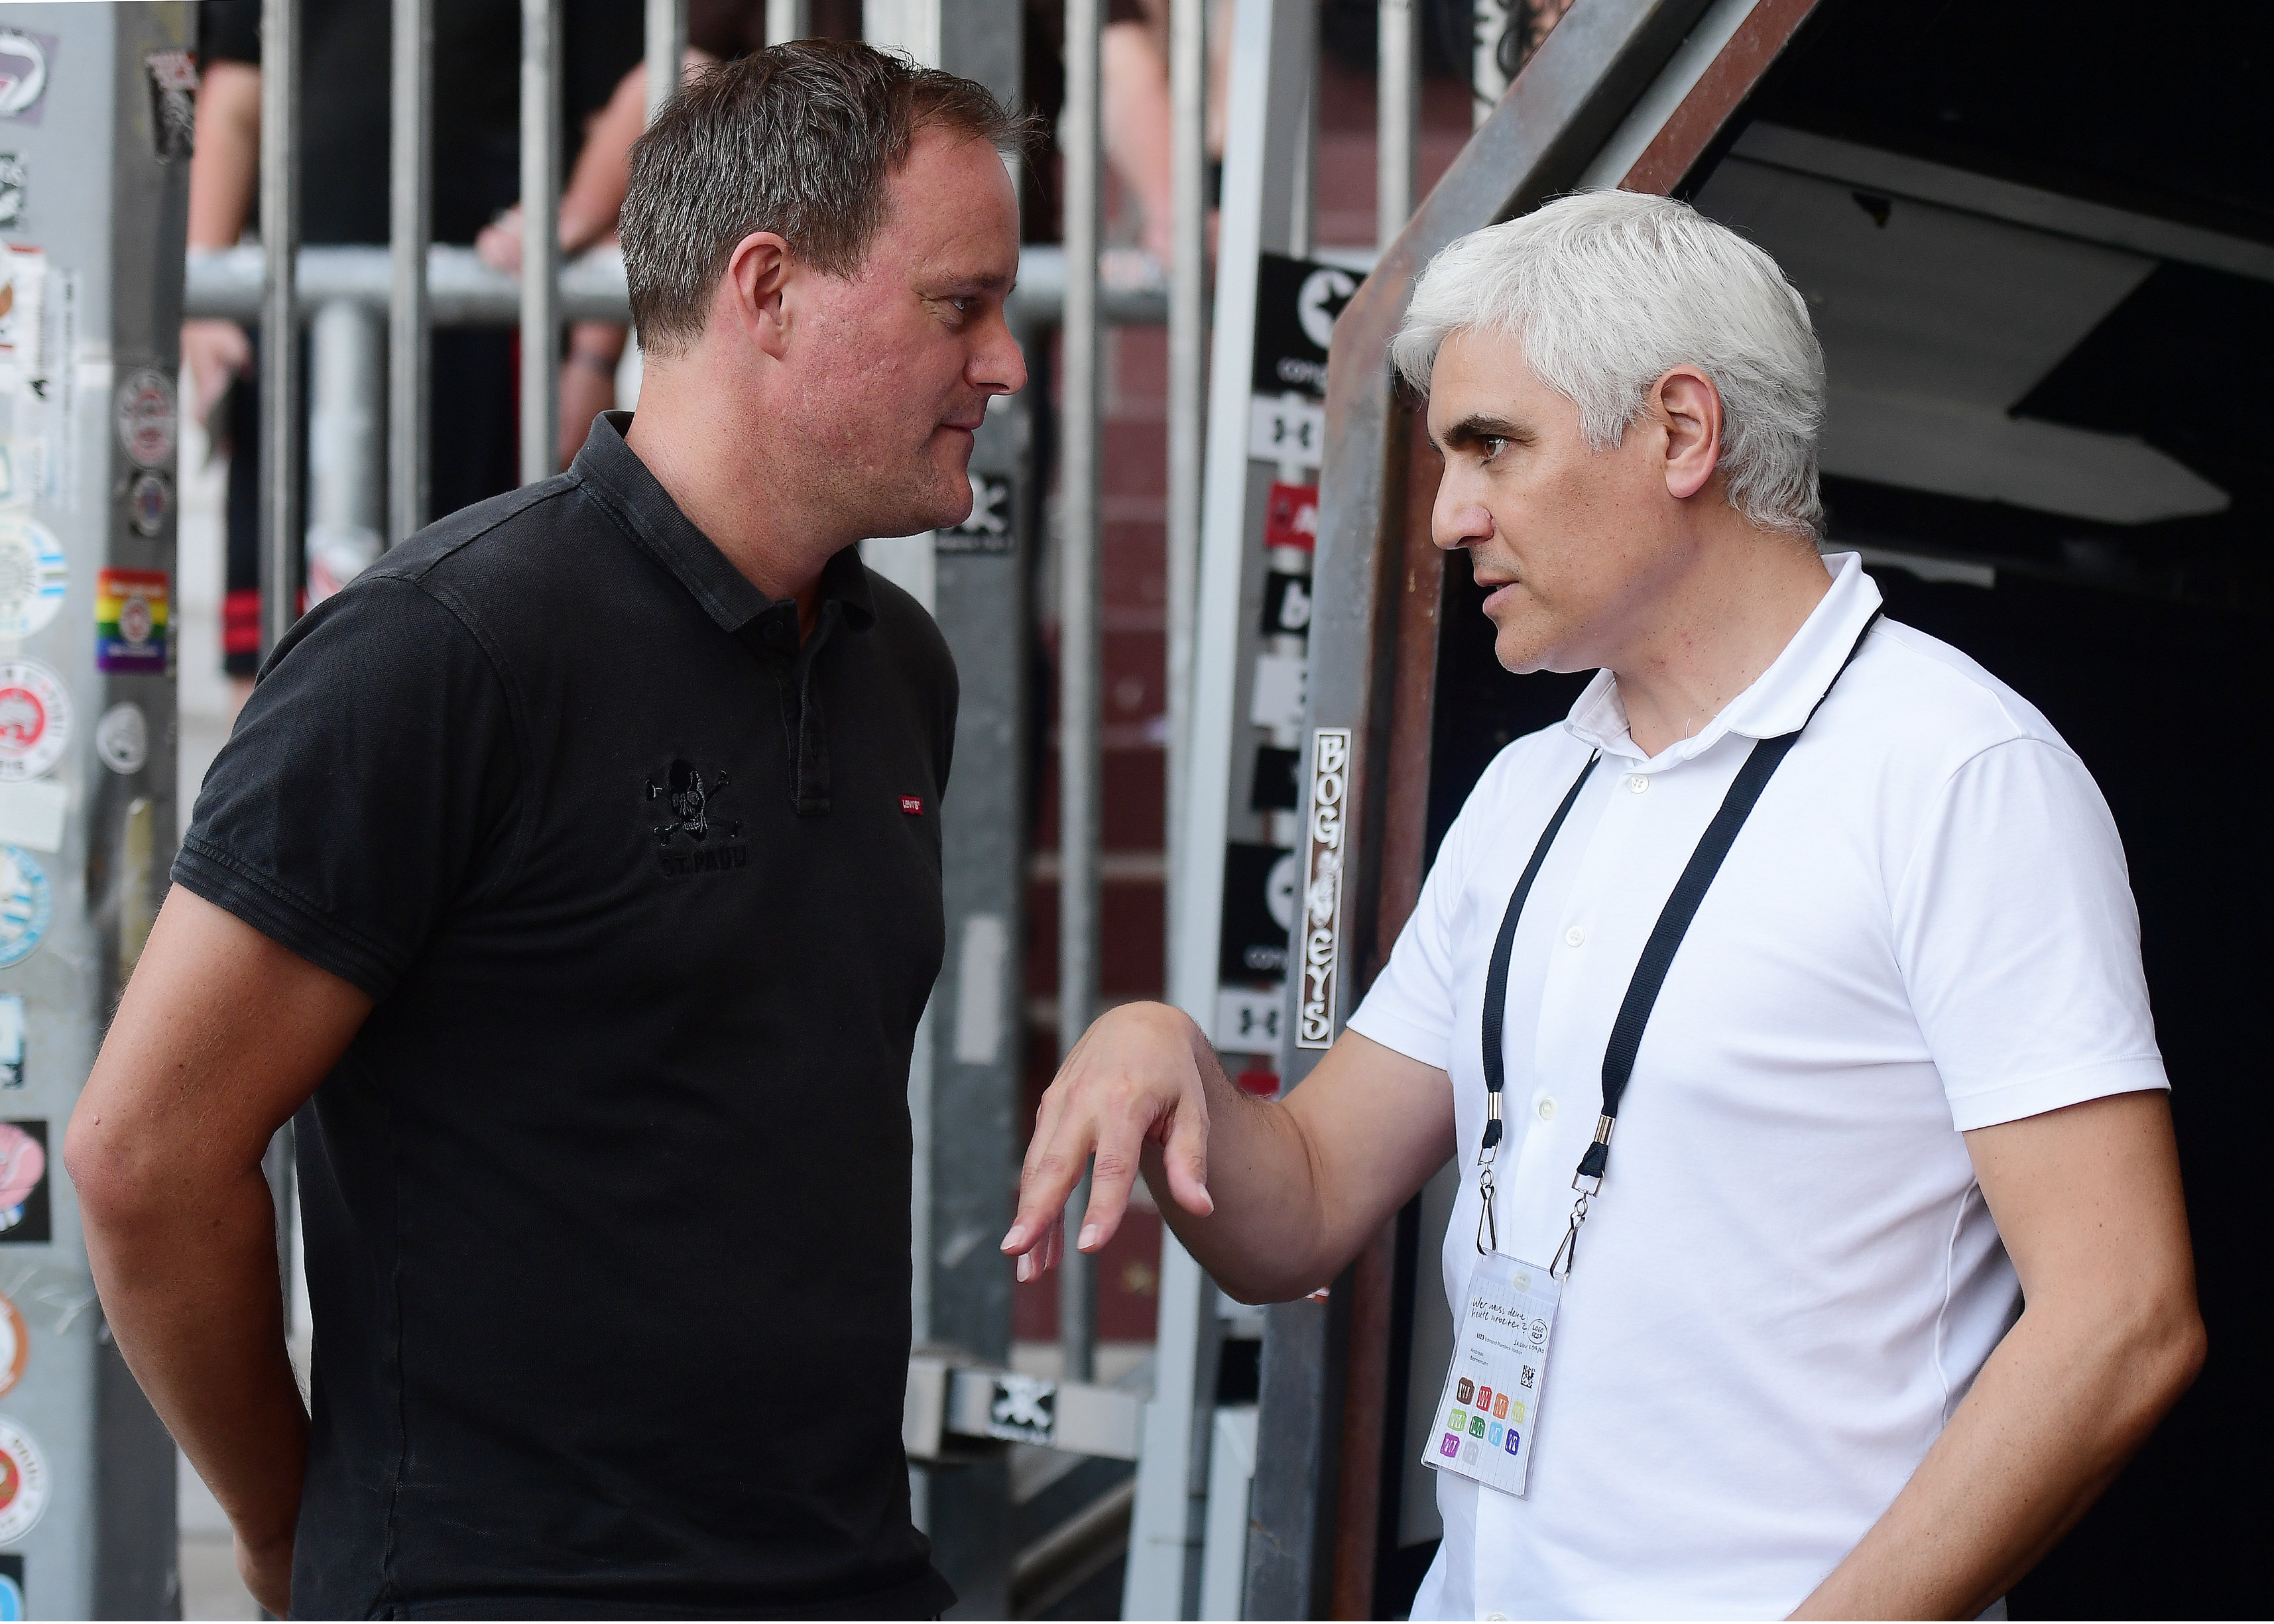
(230, 30)
(1410, 1006)
(2019, 941)
(368, 788)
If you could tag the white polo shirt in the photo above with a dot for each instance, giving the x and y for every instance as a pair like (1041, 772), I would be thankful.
(1789, 1279)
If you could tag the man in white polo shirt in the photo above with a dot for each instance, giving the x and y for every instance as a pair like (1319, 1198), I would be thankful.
(1825, 920)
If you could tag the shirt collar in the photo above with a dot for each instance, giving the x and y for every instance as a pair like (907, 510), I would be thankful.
(1780, 699)
(613, 473)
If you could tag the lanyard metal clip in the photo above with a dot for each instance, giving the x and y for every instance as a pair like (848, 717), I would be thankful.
(1488, 1153)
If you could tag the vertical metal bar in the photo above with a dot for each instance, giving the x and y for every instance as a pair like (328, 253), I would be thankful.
(280, 326)
(1082, 136)
(540, 240)
(788, 20)
(666, 50)
(1398, 102)
(410, 226)
(1187, 391)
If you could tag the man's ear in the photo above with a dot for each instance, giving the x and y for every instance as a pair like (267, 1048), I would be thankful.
(1690, 407)
(755, 291)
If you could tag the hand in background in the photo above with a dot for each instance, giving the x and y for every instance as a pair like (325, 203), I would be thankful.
(215, 353)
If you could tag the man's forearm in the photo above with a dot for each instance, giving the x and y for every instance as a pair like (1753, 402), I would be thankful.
(190, 1288)
(1261, 1243)
(2057, 1410)
(1300, 1183)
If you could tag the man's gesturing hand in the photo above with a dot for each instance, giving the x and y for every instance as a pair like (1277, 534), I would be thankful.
(1139, 1075)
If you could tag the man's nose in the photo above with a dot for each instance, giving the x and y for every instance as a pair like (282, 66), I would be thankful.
(999, 366)
(1457, 519)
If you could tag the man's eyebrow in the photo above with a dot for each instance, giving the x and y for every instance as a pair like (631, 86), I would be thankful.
(992, 282)
(1479, 426)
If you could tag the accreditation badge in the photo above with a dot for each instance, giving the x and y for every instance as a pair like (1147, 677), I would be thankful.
(1490, 1407)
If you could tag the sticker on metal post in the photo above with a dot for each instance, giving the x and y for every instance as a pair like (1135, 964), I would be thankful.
(24, 1483)
(24, 1216)
(35, 719)
(1321, 931)
(11, 1039)
(122, 738)
(15, 1346)
(26, 905)
(11, 191)
(12, 1605)
(24, 62)
(35, 575)
(1024, 1410)
(130, 620)
(143, 410)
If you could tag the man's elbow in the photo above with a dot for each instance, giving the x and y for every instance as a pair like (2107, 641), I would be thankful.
(111, 1172)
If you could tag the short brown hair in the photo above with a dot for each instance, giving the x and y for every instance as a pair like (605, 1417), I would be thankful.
(798, 139)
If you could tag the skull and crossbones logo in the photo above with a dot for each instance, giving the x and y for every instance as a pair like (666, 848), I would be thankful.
(690, 791)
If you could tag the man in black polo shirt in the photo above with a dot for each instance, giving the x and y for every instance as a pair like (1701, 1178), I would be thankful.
(575, 877)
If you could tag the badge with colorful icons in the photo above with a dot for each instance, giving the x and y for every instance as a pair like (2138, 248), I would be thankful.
(1514, 1443)
(1450, 1447)
(1460, 1421)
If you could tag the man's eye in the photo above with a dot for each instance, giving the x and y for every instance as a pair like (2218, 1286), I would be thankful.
(1494, 445)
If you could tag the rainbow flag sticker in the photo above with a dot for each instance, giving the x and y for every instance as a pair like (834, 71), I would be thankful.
(130, 620)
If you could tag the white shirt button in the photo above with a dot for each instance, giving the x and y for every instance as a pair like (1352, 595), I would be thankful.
(1495, 1618)
(1639, 782)
(1574, 936)
(1548, 1110)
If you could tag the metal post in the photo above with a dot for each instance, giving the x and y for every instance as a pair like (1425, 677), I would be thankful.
(280, 327)
(411, 169)
(666, 50)
(788, 20)
(1081, 134)
(1397, 103)
(540, 240)
(1187, 391)
(345, 499)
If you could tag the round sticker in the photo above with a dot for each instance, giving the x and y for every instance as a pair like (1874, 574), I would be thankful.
(26, 905)
(15, 1346)
(122, 738)
(148, 503)
(35, 719)
(144, 411)
(33, 576)
(23, 1482)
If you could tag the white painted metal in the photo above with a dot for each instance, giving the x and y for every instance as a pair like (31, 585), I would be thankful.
(346, 499)
(540, 240)
(1082, 136)
(787, 20)
(1231, 1473)
(1397, 114)
(410, 149)
(280, 326)
(666, 50)
(910, 26)
(1187, 393)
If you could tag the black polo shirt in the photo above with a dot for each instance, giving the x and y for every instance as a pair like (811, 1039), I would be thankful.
(607, 1206)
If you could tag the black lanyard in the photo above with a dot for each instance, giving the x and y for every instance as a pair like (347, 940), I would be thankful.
(1767, 754)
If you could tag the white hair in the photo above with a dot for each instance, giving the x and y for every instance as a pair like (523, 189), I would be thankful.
(1608, 291)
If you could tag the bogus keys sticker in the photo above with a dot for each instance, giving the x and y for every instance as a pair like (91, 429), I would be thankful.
(26, 905)
(35, 719)
(23, 1481)
(130, 620)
